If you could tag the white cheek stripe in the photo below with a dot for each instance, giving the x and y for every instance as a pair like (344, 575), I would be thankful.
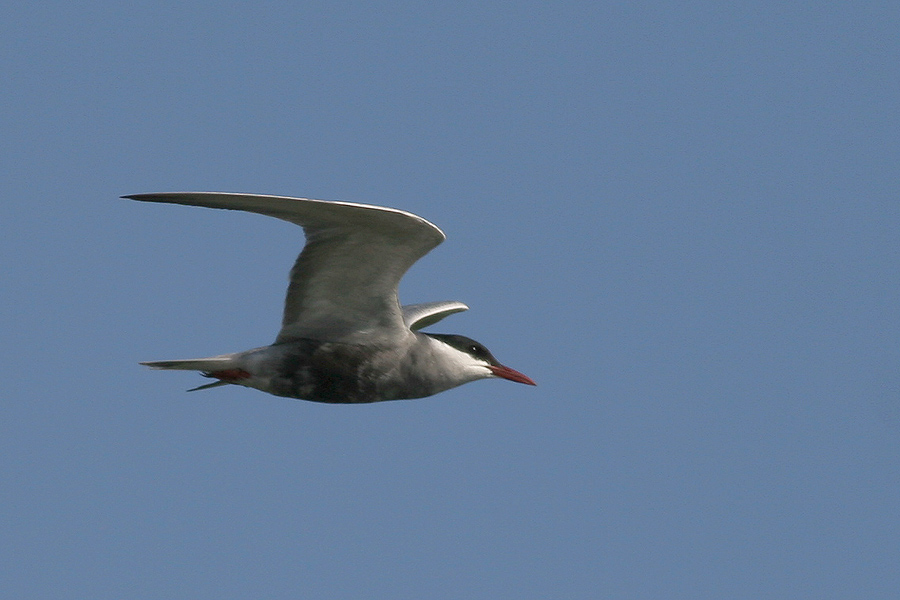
(462, 366)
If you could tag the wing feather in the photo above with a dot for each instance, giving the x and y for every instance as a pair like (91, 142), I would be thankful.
(344, 282)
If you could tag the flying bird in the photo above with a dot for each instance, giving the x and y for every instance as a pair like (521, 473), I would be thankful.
(344, 336)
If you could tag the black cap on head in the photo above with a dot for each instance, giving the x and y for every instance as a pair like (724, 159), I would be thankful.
(467, 345)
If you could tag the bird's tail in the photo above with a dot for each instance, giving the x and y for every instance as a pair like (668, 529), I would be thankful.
(220, 367)
(213, 363)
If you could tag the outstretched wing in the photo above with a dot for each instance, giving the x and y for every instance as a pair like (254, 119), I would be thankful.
(344, 282)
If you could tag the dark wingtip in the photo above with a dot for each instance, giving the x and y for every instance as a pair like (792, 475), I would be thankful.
(151, 197)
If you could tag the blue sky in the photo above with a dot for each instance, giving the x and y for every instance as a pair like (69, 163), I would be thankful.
(680, 219)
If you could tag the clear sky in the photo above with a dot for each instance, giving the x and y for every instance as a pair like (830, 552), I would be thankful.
(681, 219)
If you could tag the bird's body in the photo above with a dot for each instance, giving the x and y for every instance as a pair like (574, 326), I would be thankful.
(344, 337)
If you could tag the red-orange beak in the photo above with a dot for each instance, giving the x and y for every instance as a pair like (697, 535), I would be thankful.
(511, 374)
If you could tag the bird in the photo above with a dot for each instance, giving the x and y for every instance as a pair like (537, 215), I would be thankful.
(344, 337)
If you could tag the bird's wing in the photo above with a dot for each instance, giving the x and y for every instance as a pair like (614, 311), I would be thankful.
(418, 316)
(344, 283)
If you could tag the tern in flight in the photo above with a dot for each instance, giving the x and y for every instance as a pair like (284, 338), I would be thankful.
(344, 336)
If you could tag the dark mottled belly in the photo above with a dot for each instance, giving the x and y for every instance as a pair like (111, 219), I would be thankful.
(326, 372)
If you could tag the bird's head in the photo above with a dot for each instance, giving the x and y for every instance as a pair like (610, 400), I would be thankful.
(476, 361)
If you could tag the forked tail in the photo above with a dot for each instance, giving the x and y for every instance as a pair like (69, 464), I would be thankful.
(220, 367)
